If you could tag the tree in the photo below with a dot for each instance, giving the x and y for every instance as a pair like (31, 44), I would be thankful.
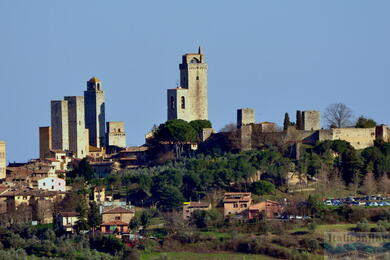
(286, 121)
(363, 122)
(262, 187)
(369, 184)
(199, 125)
(82, 209)
(84, 170)
(299, 120)
(338, 115)
(176, 130)
(94, 217)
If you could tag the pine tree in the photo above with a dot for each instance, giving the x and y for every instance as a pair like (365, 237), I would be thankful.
(286, 121)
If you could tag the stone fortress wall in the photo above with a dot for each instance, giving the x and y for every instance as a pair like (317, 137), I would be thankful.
(251, 133)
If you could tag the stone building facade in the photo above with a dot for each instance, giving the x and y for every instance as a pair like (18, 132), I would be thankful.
(116, 134)
(95, 119)
(189, 100)
(3, 160)
(78, 141)
(45, 144)
(59, 125)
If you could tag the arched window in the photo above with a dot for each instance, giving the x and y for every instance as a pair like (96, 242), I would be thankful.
(172, 102)
(98, 86)
(194, 60)
(183, 102)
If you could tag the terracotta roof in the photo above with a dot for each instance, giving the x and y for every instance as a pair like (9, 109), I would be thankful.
(135, 149)
(94, 149)
(94, 80)
(51, 159)
(118, 210)
(69, 214)
(195, 204)
(114, 223)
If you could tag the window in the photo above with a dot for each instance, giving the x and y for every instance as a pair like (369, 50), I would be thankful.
(172, 102)
(235, 205)
(52, 187)
(194, 60)
(197, 77)
(183, 102)
(117, 218)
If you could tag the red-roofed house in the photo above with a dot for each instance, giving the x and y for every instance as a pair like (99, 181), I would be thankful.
(116, 220)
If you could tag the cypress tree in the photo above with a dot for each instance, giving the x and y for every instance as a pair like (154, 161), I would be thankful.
(286, 121)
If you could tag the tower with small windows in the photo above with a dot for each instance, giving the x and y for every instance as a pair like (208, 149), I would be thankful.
(95, 119)
(189, 100)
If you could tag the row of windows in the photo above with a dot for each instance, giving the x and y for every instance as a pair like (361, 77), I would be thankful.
(182, 103)
(2, 155)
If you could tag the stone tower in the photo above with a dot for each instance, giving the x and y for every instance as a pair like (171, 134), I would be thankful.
(245, 122)
(3, 161)
(95, 119)
(189, 100)
(311, 120)
(77, 133)
(59, 125)
(116, 135)
(45, 138)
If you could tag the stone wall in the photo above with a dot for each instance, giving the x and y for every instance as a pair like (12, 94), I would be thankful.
(359, 138)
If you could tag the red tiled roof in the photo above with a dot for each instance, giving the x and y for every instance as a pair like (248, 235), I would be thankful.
(114, 223)
(118, 210)
(195, 204)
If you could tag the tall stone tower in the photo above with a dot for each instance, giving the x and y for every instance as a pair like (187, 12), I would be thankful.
(95, 118)
(3, 161)
(45, 144)
(189, 100)
(77, 132)
(59, 125)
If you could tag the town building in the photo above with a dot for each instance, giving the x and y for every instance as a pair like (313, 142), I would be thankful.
(78, 139)
(266, 209)
(59, 125)
(68, 221)
(95, 119)
(190, 207)
(236, 202)
(52, 184)
(45, 141)
(116, 220)
(3, 160)
(189, 100)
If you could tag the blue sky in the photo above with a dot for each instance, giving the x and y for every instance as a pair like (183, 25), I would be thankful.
(273, 56)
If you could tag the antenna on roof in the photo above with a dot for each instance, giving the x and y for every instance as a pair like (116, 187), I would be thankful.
(200, 51)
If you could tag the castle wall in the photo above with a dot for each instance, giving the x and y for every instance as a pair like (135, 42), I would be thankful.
(3, 160)
(45, 145)
(116, 135)
(359, 138)
(59, 124)
(76, 117)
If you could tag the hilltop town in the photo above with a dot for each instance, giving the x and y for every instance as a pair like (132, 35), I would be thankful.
(247, 188)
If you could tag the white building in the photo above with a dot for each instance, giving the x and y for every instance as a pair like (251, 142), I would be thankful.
(51, 184)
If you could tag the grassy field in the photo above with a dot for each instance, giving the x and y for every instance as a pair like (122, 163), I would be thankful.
(208, 256)
(329, 228)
